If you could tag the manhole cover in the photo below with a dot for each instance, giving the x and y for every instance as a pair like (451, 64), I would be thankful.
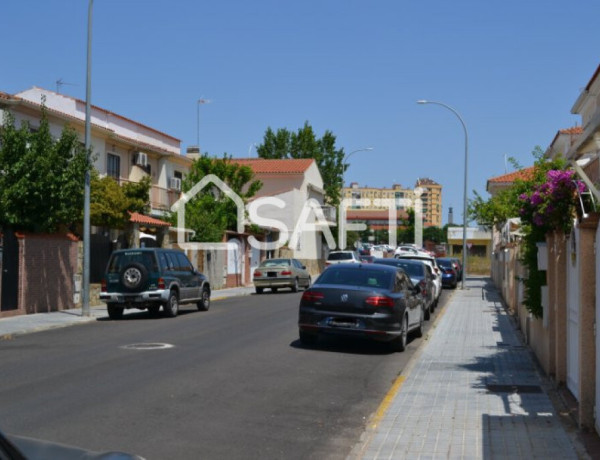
(147, 346)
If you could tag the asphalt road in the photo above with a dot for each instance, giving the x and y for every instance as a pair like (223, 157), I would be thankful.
(234, 383)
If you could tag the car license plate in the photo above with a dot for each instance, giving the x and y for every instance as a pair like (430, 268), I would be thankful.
(342, 322)
(272, 274)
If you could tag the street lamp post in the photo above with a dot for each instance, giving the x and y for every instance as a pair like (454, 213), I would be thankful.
(342, 232)
(464, 254)
(85, 292)
(199, 102)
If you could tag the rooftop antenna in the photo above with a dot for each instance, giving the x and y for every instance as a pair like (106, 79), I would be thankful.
(60, 83)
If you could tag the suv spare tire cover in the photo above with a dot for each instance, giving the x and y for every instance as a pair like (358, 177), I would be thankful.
(134, 276)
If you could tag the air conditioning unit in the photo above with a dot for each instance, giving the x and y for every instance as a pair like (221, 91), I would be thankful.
(175, 183)
(141, 159)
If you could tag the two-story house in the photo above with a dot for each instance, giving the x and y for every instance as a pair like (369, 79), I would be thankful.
(295, 182)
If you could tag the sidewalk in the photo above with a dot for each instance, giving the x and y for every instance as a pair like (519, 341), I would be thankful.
(473, 391)
(24, 324)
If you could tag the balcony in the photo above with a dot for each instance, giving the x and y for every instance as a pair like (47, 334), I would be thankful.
(161, 199)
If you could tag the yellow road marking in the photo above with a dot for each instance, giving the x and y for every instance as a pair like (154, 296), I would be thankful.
(389, 397)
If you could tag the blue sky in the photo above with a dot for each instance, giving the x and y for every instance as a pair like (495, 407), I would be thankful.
(512, 69)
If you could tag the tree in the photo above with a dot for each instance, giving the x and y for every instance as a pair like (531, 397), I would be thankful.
(110, 203)
(42, 179)
(506, 204)
(406, 232)
(435, 234)
(305, 144)
(208, 213)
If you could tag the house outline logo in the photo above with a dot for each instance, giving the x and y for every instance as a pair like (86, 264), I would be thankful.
(179, 208)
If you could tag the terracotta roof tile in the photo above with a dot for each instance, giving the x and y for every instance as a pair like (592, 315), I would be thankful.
(271, 166)
(509, 178)
(7, 96)
(573, 130)
(138, 218)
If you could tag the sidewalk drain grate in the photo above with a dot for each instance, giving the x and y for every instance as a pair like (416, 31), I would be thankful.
(514, 388)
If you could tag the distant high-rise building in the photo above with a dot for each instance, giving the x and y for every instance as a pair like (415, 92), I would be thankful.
(450, 215)
(369, 198)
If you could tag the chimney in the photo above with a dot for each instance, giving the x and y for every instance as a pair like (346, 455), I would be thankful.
(193, 152)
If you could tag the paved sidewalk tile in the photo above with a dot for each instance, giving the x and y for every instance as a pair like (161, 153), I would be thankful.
(473, 392)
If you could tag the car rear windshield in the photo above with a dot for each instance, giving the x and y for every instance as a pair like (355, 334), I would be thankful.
(340, 256)
(121, 260)
(275, 263)
(412, 269)
(362, 277)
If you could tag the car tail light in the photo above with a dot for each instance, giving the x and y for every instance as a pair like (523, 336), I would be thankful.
(327, 264)
(103, 287)
(257, 273)
(380, 301)
(286, 272)
(161, 283)
(423, 285)
(312, 296)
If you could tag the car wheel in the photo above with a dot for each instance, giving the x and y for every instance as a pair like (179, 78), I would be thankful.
(306, 338)
(419, 330)
(259, 290)
(171, 306)
(399, 344)
(308, 283)
(153, 310)
(204, 303)
(273, 289)
(295, 285)
(114, 312)
(133, 276)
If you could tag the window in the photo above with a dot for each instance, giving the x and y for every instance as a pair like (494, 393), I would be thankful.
(113, 166)
(178, 175)
(183, 263)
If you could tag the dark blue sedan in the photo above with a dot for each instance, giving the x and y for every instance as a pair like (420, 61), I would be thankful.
(449, 275)
(374, 301)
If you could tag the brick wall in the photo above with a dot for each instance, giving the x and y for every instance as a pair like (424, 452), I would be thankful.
(47, 265)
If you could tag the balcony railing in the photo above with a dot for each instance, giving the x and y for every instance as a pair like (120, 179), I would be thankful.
(163, 198)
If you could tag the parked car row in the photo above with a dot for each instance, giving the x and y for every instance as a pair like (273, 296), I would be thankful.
(383, 299)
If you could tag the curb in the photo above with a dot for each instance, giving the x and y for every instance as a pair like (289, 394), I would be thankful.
(374, 419)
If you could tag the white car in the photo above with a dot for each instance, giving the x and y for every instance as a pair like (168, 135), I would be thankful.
(405, 249)
(342, 257)
(432, 264)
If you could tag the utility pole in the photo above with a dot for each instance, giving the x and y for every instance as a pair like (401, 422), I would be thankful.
(85, 300)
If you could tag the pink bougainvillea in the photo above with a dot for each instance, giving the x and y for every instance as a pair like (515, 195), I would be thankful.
(551, 205)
